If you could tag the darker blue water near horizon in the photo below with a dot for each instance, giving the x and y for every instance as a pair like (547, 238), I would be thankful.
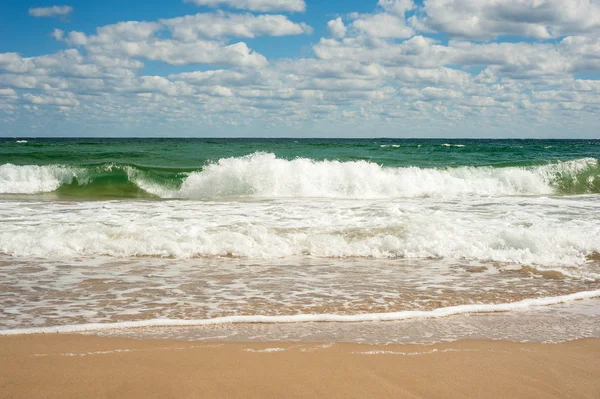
(192, 153)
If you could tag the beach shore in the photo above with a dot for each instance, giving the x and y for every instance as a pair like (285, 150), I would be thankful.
(79, 366)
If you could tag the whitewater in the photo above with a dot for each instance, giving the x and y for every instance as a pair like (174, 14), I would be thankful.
(263, 175)
(115, 234)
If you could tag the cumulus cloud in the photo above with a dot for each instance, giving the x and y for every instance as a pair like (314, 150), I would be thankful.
(54, 11)
(337, 28)
(380, 67)
(582, 51)
(442, 76)
(62, 99)
(192, 39)
(58, 34)
(397, 7)
(221, 77)
(389, 22)
(488, 19)
(383, 25)
(213, 25)
(574, 54)
(13, 62)
(130, 31)
(255, 5)
(68, 63)
(8, 93)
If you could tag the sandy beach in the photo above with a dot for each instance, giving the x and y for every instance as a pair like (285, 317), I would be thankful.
(77, 366)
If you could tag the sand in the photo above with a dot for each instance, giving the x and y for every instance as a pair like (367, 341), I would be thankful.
(77, 366)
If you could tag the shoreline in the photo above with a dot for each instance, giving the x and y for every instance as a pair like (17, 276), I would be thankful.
(565, 321)
(526, 304)
(81, 366)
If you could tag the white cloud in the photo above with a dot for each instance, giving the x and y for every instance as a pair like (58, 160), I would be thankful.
(582, 51)
(192, 39)
(8, 93)
(182, 53)
(383, 25)
(586, 85)
(396, 7)
(130, 31)
(213, 25)
(573, 54)
(438, 76)
(33, 82)
(372, 71)
(255, 5)
(337, 28)
(58, 34)
(68, 63)
(312, 68)
(220, 77)
(13, 62)
(74, 38)
(53, 11)
(63, 99)
(511, 59)
(157, 84)
(437, 93)
(339, 84)
(389, 23)
(417, 51)
(488, 19)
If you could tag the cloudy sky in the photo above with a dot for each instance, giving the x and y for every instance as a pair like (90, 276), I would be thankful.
(304, 68)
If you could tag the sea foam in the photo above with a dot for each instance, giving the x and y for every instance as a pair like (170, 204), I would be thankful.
(263, 175)
(522, 230)
(306, 318)
(33, 179)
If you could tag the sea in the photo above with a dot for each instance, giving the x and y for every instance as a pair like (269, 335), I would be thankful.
(357, 240)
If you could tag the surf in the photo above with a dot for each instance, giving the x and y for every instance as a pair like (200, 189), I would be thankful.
(264, 175)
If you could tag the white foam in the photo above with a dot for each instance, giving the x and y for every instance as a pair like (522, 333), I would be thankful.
(21, 141)
(32, 179)
(453, 145)
(264, 175)
(266, 350)
(305, 318)
(431, 352)
(553, 232)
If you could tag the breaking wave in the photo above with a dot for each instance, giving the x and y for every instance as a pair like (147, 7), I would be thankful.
(263, 175)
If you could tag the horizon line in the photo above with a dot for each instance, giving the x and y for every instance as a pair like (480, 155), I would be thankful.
(293, 138)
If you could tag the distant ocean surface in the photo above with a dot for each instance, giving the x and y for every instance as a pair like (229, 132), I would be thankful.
(99, 233)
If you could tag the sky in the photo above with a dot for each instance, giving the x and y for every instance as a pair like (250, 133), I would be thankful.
(300, 68)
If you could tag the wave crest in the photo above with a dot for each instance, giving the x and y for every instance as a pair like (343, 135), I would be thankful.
(33, 179)
(263, 175)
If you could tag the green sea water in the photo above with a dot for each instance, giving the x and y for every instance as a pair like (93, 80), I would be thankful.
(102, 168)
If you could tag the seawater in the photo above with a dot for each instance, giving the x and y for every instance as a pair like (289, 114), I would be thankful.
(120, 233)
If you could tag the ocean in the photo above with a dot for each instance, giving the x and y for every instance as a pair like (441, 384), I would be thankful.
(366, 240)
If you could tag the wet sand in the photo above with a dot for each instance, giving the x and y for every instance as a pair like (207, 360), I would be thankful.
(77, 366)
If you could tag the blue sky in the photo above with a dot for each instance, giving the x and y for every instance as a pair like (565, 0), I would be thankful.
(398, 68)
